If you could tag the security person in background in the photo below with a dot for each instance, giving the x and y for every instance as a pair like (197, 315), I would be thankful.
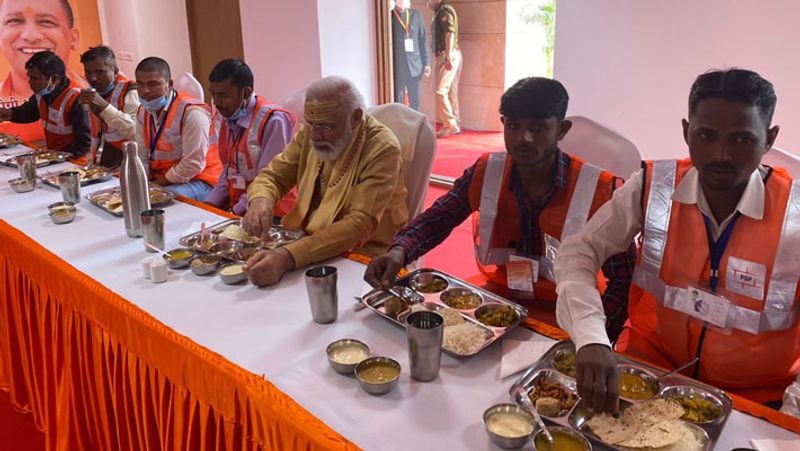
(409, 52)
(66, 125)
(113, 104)
(448, 66)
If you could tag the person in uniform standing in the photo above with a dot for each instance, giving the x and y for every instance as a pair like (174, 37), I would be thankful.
(448, 66)
(409, 52)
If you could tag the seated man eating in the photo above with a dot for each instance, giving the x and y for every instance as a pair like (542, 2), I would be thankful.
(348, 171)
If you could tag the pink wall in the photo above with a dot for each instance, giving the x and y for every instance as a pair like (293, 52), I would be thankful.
(281, 45)
(629, 64)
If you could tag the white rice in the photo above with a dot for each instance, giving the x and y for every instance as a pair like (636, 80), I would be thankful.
(464, 338)
(451, 317)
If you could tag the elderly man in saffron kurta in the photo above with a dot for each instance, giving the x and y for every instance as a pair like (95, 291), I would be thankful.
(348, 171)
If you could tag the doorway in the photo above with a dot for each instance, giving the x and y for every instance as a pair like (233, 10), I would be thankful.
(215, 33)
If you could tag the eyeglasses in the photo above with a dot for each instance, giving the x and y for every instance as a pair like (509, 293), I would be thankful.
(324, 128)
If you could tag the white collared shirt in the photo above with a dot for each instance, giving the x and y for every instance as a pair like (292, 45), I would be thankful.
(579, 309)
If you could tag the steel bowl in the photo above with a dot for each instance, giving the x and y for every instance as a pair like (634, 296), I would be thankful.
(648, 377)
(226, 249)
(344, 367)
(204, 264)
(179, 258)
(229, 275)
(505, 441)
(377, 388)
(556, 431)
(679, 391)
(488, 308)
(22, 185)
(420, 282)
(62, 212)
(449, 294)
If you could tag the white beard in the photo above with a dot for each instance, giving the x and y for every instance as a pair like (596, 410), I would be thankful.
(331, 152)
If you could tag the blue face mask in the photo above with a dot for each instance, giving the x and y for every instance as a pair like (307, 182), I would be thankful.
(154, 105)
(238, 114)
(47, 90)
(107, 89)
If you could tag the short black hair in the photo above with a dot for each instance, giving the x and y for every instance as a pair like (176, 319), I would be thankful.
(535, 97)
(101, 52)
(154, 64)
(234, 70)
(48, 63)
(735, 84)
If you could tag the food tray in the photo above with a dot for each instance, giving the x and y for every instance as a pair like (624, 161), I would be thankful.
(110, 200)
(89, 175)
(414, 285)
(42, 158)
(7, 140)
(576, 417)
(279, 236)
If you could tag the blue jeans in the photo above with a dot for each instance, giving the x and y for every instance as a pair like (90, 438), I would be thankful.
(194, 189)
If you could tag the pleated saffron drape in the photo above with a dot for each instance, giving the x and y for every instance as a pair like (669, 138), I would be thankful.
(98, 373)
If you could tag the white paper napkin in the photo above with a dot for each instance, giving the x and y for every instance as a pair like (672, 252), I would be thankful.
(519, 355)
(768, 444)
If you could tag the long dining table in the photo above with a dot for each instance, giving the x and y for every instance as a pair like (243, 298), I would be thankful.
(106, 359)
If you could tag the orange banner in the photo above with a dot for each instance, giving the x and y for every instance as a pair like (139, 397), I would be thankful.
(65, 27)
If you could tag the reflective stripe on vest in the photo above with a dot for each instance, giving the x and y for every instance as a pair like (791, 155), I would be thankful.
(254, 142)
(778, 313)
(118, 102)
(577, 213)
(490, 195)
(173, 135)
(61, 128)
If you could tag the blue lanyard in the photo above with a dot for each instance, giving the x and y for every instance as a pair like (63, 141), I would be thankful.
(717, 248)
(159, 129)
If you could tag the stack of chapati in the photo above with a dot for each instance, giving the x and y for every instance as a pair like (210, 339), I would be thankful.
(651, 425)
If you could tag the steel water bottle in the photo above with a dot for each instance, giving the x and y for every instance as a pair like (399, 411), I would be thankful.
(135, 190)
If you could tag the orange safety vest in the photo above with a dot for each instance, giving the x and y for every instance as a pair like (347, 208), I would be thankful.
(55, 117)
(115, 98)
(496, 226)
(757, 354)
(168, 148)
(243, 154)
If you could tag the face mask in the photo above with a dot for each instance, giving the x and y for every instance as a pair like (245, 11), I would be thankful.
(238, 114)
(47, 90)
(154, 105)
(107, 89)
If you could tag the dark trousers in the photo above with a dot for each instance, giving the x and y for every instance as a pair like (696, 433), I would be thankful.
(403, 82)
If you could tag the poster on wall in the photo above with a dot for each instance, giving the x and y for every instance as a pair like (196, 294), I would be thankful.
(65, 27)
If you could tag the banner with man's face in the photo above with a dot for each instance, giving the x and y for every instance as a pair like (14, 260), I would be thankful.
(65, 27)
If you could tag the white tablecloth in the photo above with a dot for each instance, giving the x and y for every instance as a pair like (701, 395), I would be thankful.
(269, 331)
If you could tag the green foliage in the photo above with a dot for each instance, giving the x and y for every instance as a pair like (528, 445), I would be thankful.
(544, 16)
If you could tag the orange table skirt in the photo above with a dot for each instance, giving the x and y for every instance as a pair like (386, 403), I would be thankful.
(97, 372)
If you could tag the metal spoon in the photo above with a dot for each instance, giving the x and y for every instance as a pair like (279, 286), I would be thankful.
(526, 403)
(680, 368)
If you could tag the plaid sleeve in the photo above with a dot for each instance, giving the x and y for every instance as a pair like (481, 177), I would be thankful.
(618, 269)
(433, 225)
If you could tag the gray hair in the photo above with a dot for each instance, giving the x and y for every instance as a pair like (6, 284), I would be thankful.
(340, 88)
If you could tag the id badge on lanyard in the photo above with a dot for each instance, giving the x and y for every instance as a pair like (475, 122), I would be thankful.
(237, 180)
(409, 45)
(705, 305)
(521, 273)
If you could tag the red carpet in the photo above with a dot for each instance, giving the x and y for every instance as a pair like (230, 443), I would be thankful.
(457, 152)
